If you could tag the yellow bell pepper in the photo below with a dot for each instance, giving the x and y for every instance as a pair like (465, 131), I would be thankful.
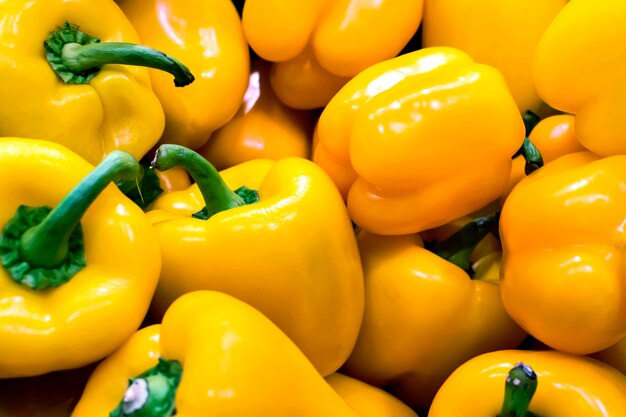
(262, 128)
(344, 35)
(367, 400)
(212, 355)
(556, 385)
(92, 259)
(614, 355)
(562, 238)
(318, 45)
(208, 37)
(491, 33)
(63, 82)
(269, 244)
(424, 316)
(420, 140)
(554, 137)
(585, 75)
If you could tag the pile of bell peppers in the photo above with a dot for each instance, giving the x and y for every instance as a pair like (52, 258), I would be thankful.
(316, 208)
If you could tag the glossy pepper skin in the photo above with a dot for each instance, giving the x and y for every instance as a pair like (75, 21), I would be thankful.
(586, 75)
(263, 127)
(368, 400)
(63, 327)
(327, 41)
(562, 277)
(388, 142)
(285, 255)
(567, 386)
(116, 110)
(208, 37)
(424, 316)
(234, 361)
(490, 33)
(554, 137)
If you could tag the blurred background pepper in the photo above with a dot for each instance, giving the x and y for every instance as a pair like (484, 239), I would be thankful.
(554, 137)
(579, 67)
(318, 45)
(500, 34)
(263, 127)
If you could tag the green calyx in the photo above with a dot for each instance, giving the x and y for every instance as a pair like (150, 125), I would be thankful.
(152, 393)
(68, 34)
(42, 247)
(248, 196)
(528, 150)
(519, 388)
(77, 57)
(217, 196)
(458, 248)
(22, 271)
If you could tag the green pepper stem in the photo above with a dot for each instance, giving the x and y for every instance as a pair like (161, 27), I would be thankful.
(77, 57)
(519, 388)
(531, 154)
(46, 245)
(458, 248)
(80, 58)
(528, 150)
(217, 196)
(530, 121)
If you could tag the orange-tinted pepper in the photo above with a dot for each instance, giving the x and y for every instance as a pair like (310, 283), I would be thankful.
(553, 136)
(579, 67)
(327, 41)
(262, 128)
(302, 83)
(491, 33)
(562, 230)
(424, 316)
(420, 140)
